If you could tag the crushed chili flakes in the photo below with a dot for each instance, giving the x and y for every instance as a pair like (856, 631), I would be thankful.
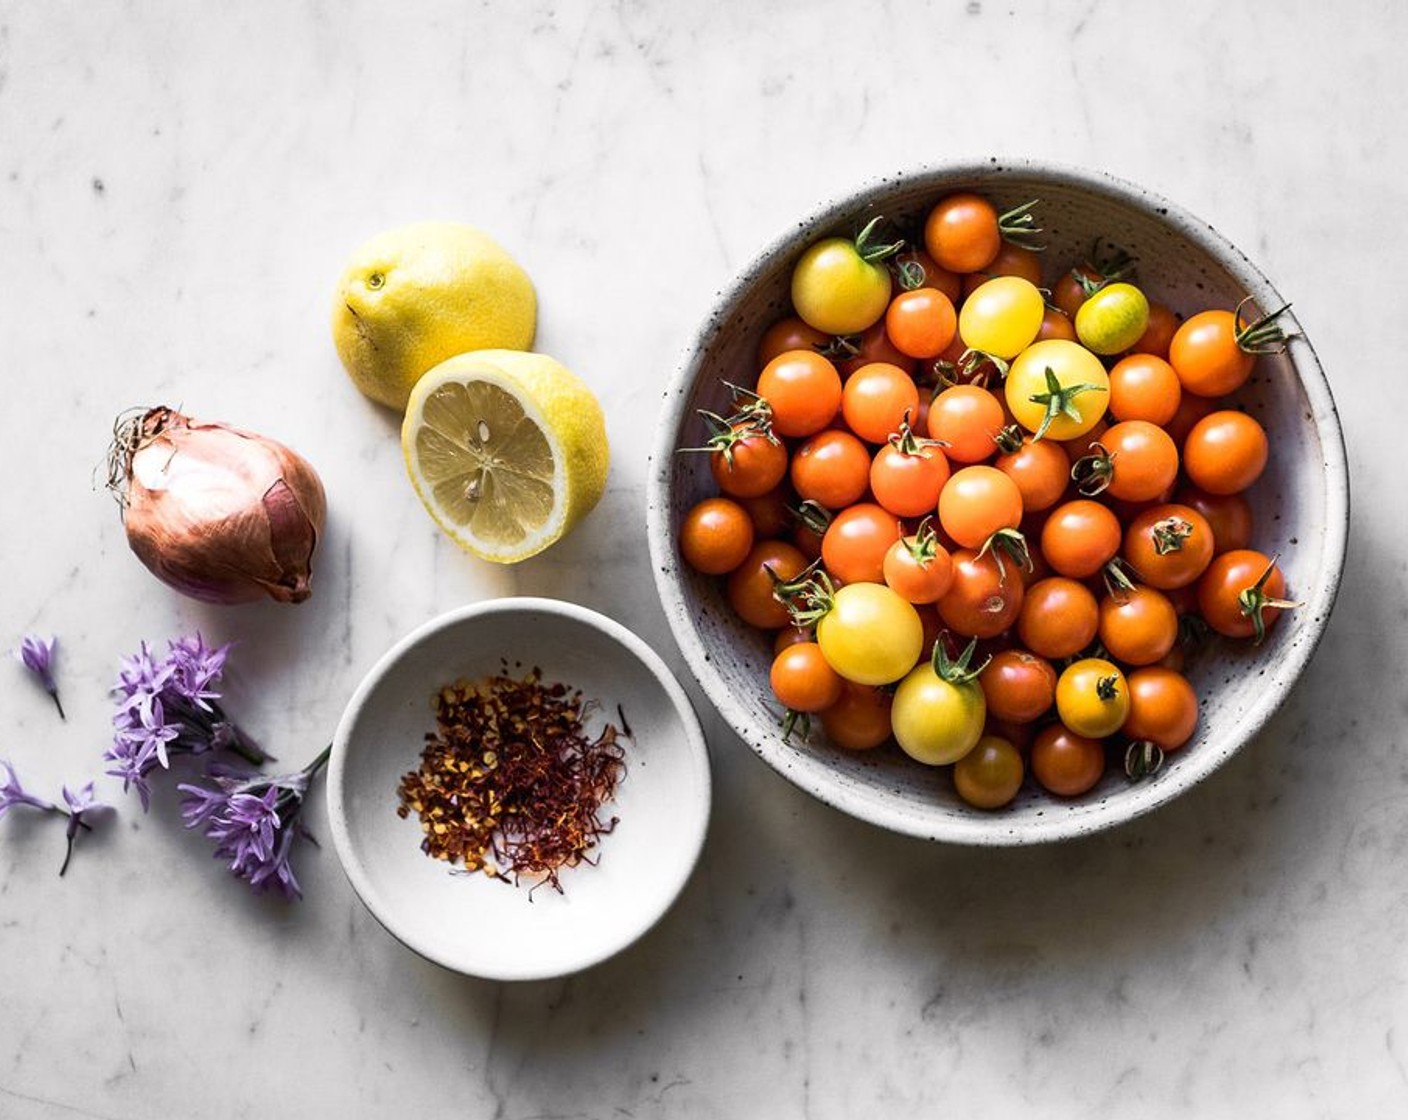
(510, 782)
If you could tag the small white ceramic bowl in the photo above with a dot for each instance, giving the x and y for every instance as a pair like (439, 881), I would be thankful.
(488, 928)
(1302, 499)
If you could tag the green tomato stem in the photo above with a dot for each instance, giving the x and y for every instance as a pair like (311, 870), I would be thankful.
(1018, 226)
(1059, 400)
(1264, 335)
(874, 254)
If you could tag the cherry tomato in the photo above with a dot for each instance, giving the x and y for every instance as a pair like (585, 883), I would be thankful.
(1019, 686)
(1092, 697)
(918, 568)
(832, 469)
(1191, 409)
(1229, 515)
(876, 399)
(989, 775)
(871, 345)
(1065, 763)
(1059, 618)
(856, 541)
(1225, 452)
(1144, 387)
(716, 536)
(976, 502)
(1020, 735)
(749, 463)
(1159, 333)
(1002, 316)
(1011, 260)
(1080, 382)
(769, 513)
(870, 635)
(1055, 323)
(750, 586)
(789, 333)
(939, 712)
(967, 419)
(802, 680)
(1242, 593)
(1080, 537)
(789, 636)
(1205, 353)
(1072, 289)
(983, 600)
(1040, 468)
(1139, 627)
(860, 720)
(841, 285)
(1163, 709)
(1141, 460)
(1168, 545)
(907, 475)
(921, 323)
(1112, 319)
(803, 390)
(961, 233)
(917, 269)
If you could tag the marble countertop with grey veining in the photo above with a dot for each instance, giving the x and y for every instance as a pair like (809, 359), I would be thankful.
(179, 186)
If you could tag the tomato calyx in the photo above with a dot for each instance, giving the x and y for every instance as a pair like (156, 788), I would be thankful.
(1107, 688)
(1009, 440)
(955, 670)
(1092, 473)
(748, 405)
(1059, 400)
(867, 248)
(1010, 543)
(910, 274)
(1193, 632)
(1261, 336)
(978, 367)
(923, 546)
(812, 516)
(906, 442)
(1018, 226)
(1099, 271)
(1254, 600)
(1142, 759)
(726, 432)
(808, 598)
(793, 720)
(1169, 534)
(1118, 577)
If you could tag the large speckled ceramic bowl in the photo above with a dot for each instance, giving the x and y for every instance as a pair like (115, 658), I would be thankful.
(1303, 499)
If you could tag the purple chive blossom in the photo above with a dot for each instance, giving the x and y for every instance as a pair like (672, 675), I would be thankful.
(170, 706)
(12, 793)
(38, 658)
(254, 820)
(78, 803)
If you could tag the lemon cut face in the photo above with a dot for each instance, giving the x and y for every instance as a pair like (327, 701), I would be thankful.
(506, 450)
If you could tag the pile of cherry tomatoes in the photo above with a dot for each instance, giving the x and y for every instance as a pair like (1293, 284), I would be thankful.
(985, 518)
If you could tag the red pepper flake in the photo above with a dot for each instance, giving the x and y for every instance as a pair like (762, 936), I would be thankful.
(510, 783)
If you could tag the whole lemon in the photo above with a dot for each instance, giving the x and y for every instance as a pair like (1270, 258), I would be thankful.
(415, 295)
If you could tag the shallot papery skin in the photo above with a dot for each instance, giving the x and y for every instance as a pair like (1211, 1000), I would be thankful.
(220, 514)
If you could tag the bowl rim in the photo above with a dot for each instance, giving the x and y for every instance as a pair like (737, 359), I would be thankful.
(1079, 818)
(694, 742)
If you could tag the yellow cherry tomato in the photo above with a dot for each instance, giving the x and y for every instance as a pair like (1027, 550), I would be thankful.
(870, 635)
(989, 776)
(1001, 316)
(842, 285)
(1057, 389)
(939, 710)
(1113, 319)
(1092, 697)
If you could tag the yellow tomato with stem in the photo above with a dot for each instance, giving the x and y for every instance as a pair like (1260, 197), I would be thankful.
(1057, 389)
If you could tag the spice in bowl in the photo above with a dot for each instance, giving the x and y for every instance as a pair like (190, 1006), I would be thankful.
(511, 782)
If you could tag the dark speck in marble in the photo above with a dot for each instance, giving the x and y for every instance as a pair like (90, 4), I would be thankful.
(99, 187)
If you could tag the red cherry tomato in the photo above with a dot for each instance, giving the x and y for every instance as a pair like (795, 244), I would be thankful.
(750, 586)
(716, 536)
(1019, 686)
(790, 333)
(1065, 763)
(1059, 618)
(860, 720)
(1242, 593)
(983, 600)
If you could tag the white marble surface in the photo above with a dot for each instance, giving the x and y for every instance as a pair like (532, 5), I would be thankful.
(178, 187)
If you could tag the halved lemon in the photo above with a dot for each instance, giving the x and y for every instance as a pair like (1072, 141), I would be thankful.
(506, 449)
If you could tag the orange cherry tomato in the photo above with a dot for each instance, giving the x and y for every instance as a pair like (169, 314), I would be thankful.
(1144, 387)
(876, 399)
(919, 571)
(1159, 333)
(716, 536)
(1139, 627)
(1163, 708)
(802, 680)
(1242, 593)
(860, 719)
(1191, 409)
(1080, 537)
(967, 418)
(1225, 452)
(1011, 260)
(1065, 763)
(1168, 545)
(976, 502)
(983, 600)
(1059, 617)
(789, 333)
(854, 547)
(752, 463)
(750, 586)
(990, 775)
(1207, 356)
(1040, 468)
(961, 233)
(907, 475)
(1141, 460)
(1019, 686)
(769, 513)
(832, 468)
(921, 323)
(803, 390)
(1229, 515)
